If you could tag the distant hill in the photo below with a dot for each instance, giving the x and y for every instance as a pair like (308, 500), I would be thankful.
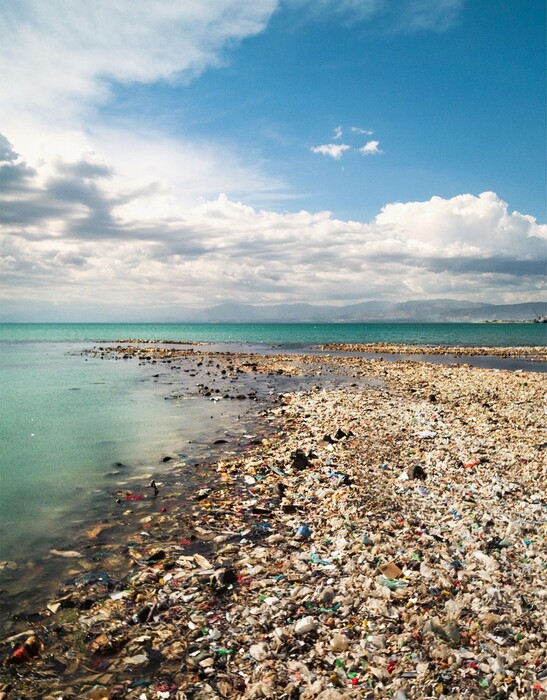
(434, 310)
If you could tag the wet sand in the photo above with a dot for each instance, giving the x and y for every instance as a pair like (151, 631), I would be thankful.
(381, 531)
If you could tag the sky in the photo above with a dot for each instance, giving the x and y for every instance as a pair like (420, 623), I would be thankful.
(162, 156)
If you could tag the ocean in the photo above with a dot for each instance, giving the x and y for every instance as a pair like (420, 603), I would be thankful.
(475, 334)
(74, 427)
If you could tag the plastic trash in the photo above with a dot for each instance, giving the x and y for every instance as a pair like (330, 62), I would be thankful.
(305, 625)
(391, 593)
(392, 584)
(303, 532)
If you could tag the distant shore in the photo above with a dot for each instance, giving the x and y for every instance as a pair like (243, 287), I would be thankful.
(536, 353)
(381, 534)
(532, 353)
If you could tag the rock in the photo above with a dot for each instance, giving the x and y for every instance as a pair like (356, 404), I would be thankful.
(300, 460)
(67, 554)
(98, 692)
(10, 565)
(223, 577)
(416, 472)
(450, 632)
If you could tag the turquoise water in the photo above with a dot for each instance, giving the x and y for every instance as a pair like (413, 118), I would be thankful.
(477, 334)
(67, 419)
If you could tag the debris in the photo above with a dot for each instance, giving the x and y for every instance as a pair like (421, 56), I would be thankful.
(305, 625)
(331, 573)
(300, 460)
(391, 570)
(67, 554)
(31, 649)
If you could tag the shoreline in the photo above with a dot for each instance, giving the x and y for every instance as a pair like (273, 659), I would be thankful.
(404, 584)
(537, 353)
(534, 353)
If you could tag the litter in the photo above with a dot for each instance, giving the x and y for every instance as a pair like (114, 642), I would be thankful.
(401, 557)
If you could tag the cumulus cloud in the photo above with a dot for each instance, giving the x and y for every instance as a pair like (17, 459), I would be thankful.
(68, 239)
(57, 70)
(130, 218)
(7, 154)
(334, 150)
(370, 148)
(358, 130)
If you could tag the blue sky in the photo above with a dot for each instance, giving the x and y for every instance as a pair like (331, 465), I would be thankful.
(266, 152)
(456, 109)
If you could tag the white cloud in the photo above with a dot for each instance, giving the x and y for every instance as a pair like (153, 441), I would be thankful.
(60, 56)
(397, 16)
(59, 60)
(480, 225)
(357, 130)
(424, 15)
(109, 213)
(370, 148)
(334, 150)
(338, 133)
(73, 238)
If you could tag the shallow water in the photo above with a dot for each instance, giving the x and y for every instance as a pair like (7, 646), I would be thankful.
(67, 420)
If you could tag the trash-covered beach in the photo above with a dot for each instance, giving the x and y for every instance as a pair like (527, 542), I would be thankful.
(380, 537)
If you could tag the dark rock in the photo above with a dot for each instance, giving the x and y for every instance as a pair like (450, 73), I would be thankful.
(300, 460)
(156, 556)
(416, 472)
(280, 489)
(224, 577)
(289, 508)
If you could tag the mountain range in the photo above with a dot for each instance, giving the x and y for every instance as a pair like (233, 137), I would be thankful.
(435, 310)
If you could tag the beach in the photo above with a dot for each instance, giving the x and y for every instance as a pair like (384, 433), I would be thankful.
(379, 533)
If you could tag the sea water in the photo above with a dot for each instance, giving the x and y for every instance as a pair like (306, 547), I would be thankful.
(472, 334)
(67, 424)
(67, 418)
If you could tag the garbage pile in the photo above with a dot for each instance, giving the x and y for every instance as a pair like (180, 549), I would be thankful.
(384, 541)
